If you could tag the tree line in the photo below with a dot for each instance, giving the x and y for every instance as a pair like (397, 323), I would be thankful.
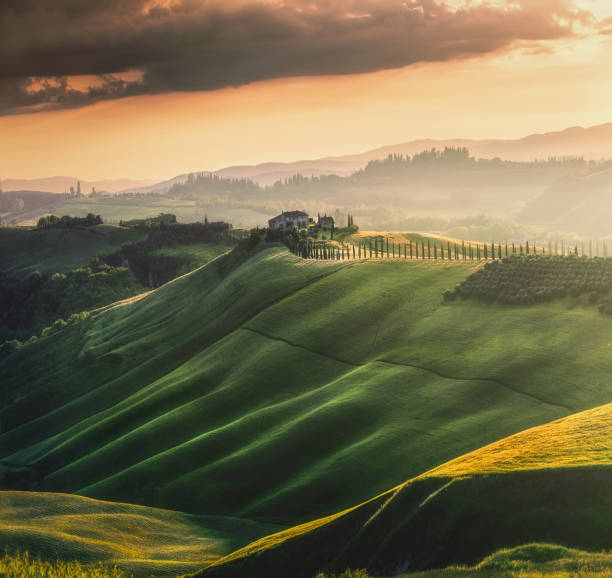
(425, 249)
(68, 222)
(535, 279)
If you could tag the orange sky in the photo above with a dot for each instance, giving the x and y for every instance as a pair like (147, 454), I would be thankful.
(529, 89)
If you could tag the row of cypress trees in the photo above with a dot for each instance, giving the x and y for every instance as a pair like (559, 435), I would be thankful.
(377, 248)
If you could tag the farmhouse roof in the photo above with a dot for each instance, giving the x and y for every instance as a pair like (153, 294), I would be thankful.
(291, 214)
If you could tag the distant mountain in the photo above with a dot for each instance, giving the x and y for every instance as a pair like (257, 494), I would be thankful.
(581, 204)
(63, 184)
(591, 143)
(155, 187)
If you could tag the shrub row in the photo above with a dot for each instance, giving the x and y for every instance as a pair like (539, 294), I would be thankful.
(524, 280)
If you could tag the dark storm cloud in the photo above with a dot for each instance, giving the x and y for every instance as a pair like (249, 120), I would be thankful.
(183, 45)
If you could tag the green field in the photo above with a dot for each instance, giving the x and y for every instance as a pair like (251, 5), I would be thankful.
(117, 208)
(278, 390)
(526, 561)
(548, 483)
(23, 250)
(135, 539)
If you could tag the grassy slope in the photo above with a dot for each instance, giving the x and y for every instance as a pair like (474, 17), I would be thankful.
(282, 391)
(534, 560)
(58, 250)
(115, 209)
(548, 483)
(134, 538)
(192, 256)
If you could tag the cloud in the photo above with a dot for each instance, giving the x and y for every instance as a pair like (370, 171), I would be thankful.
(187, 45)
(605, 26)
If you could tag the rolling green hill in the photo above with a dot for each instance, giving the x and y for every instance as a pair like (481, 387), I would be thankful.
(140, 540)
(23, 250)
(278, 389)
(551, 483)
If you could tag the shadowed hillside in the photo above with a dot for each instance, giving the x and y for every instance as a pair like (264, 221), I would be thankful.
(549, 483)
(58, 250)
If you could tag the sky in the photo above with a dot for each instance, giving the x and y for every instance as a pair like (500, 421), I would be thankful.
(156, 88)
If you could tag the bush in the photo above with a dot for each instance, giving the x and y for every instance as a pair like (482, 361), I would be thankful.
(9, 347)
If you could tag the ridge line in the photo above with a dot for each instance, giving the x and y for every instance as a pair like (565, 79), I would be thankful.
(413, 366)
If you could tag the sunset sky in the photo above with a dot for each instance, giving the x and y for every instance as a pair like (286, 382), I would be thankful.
(154, 88)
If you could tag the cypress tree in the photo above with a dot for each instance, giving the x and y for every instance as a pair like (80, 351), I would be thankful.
(435, 251)
(486, 256)
(428, 249)
(393, 249)
(527, 247)
(387, 247)
(411, 248)
(463, 251)
(354, 251)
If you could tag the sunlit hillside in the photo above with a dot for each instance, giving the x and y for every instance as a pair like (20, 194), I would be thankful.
(135, 539)
(549, 483)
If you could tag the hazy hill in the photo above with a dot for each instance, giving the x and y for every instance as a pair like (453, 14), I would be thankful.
(592, 143)
(575, 203)
(62, 184)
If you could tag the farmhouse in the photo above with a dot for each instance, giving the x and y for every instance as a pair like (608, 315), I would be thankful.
(289, 220)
